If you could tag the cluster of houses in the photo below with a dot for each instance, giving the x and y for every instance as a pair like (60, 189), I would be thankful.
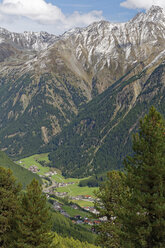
(91, 210)
(50, 173)
(58, 207)
(53, 188)
(77, 219)
(92, 222)
(52, 191)
(61, 194)
(83, 197)
(34, 169)
(59, 185)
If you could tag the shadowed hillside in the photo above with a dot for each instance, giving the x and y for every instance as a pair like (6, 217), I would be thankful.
(22, 175)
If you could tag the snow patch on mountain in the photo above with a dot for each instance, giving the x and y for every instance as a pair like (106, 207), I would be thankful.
(110, 41)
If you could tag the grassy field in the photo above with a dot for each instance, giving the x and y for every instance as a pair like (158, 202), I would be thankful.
(84, 203)
(34, 160)
(73, 212)
(74, 190)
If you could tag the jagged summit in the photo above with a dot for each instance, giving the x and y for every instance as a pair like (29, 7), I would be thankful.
(155, 9)
(156, 14)
(42, 40)
(27, 40)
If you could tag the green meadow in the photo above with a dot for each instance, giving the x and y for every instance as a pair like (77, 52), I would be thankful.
(82, 203)
(74, 190)
(34, 160)
(73, 212)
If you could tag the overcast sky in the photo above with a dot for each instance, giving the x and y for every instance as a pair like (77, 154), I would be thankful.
(57, 16)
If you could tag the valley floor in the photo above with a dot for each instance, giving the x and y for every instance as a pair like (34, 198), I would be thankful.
(65, 195)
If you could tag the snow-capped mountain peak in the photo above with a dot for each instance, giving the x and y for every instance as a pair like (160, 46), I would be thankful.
(27, 40)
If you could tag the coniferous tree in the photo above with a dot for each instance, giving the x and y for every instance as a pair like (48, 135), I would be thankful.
(143, 213)
(9, 207)
(35, 222)
(108, 205)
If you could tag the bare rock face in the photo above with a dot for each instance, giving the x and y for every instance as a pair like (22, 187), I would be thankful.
(107, 50)
(44, 79)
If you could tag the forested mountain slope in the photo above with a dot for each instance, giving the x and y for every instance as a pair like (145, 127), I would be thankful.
(100, 137)
(45, 79)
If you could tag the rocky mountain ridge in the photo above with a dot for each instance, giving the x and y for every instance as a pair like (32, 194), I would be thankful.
(27, 40)
(44, 79)
(111, 50)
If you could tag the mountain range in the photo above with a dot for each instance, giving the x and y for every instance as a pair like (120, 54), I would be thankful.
(81, 94)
